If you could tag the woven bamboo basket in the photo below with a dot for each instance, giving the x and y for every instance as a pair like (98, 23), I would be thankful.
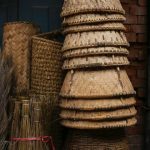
(95, 51)
(96, 104)
(106, 115)
(49, 112)
(95, 61)
(94, 39)
(84, 6)
(92, 18)
(17, 44)
(46, 72)
(96, 27)
(114, 139)
(96, 84)
(89, 125)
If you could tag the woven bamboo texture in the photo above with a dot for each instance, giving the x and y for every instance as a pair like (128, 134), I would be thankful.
(82, 19)
(49, 111)
(96, 104)
(46, 72)
(113, 114)
(84, 6)
(96, 84)
(113, 139)
(95, 61)
(99, 124)
(17, 44)
(95, 51)
(97, 27)
(94, 39)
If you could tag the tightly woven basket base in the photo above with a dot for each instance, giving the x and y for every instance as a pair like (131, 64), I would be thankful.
(113, 139)
(97, 27)
(81, 6)
(95, 51)
(98, 115)
(95, 61)
(92, 18)
(46, 72)
(96, 104)
(17, 45)
(96, 84)
(99, 124)
(94, 39)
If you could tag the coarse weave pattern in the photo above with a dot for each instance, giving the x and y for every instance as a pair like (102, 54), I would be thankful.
(96, 84)
(71, 7)
(46, 73)
(17, 44)
(96, 140)
(81, 19)
(94, 39)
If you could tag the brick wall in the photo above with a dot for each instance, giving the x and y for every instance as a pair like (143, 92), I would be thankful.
(136, 13)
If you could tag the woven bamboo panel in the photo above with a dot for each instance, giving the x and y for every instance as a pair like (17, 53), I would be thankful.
(17, 44)
(46, 72)
(114, 139)
(95, 61)
(97, 27)
(94, 39)
(106, 115)
(99, 124)
(96, 84)
(92, 18)
(95, 51)
(96, 104)
(83, 6)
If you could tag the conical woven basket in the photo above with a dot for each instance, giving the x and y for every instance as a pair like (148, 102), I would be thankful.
(94, 39)
(96, 84)
(17, 44)
(106, 115)
(46, 72)
(83, 6)
(96, 104)
(95, 61)
(99, 124)
(95, 51)
(113, 139)
(92, 18)
(97, 27)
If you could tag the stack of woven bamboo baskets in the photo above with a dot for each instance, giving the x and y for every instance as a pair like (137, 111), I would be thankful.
(96, 93)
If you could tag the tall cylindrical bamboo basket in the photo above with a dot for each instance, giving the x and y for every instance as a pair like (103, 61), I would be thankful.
(46, 79)
(112, 139)
(17, 44)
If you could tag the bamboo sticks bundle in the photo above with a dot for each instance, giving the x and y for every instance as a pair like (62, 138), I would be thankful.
(6, 70)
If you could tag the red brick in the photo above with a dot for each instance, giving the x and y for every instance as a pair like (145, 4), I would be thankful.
(136, 10)
(142, 38)
(131, 37)
(142, 2)
(141, 92)
(133, 54)
(139, 28)
(131, 72)
(131, 19)
(134, 139)
(138, 83)
(125, 1)
(134, 130)
(126, 8)
(141, 73)
(142, 20)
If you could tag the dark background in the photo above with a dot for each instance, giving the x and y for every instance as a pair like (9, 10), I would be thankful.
(45, 13)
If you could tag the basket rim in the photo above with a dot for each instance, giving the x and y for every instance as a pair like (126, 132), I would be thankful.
(21, 22)
(41, 37)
